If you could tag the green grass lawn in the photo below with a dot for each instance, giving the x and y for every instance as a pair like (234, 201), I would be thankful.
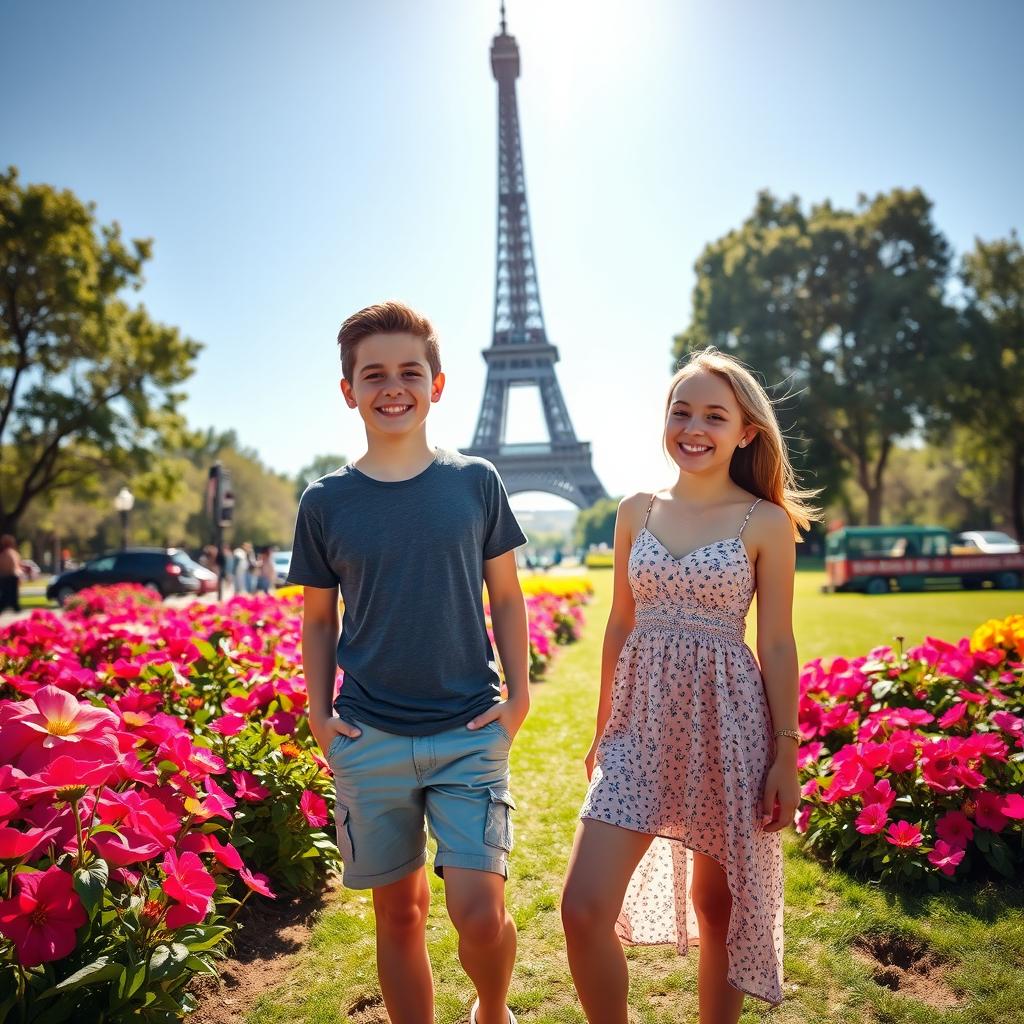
(962, 955)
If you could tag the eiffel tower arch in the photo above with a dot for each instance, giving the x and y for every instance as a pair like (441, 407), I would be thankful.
(520, 354)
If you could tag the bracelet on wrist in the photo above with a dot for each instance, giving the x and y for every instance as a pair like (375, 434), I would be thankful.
(793, 733)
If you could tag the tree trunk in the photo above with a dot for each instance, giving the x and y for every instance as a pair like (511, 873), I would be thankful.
(874, 504)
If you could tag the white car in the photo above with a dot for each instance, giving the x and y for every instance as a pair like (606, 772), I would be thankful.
(988, 542)
(282, 563)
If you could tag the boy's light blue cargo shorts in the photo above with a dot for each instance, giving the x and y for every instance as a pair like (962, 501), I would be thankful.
(387, 786)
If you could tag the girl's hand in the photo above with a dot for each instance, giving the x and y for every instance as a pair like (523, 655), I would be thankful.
(589, 760)
(781, 795)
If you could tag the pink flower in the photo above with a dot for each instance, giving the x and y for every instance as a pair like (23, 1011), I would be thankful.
(247, 787)
(190, 884)
(989, 812)
(257, 882)
(872, 819)
(42, 918)
(207, 842)
(803, 816)
(903, 834)
(282, 722)
(945, 857)
(124, 849)
(15, 844)
(314, 808)
(953, 715)
(1013, 806)
(955, 828)
(68, 778)
(880, 793)
(229, 725)
(49, 723)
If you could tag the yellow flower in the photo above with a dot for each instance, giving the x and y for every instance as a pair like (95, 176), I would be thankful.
(1007, 634)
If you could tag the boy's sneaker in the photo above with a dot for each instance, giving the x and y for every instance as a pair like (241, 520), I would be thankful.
(472, 1014)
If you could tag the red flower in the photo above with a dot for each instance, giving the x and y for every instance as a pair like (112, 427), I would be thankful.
(945, 857)
(229, 725)
(257, 882)
(68, 778)
(955, 828)
(903, 834)
(190, 884)
(953, 715)
(988, 812)
(41, 920)
(314, 808)
(15, 844)
(247, 787)
(1013, 806)
(872, 819)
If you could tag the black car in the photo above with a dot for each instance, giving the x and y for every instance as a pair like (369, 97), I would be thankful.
(165, 571)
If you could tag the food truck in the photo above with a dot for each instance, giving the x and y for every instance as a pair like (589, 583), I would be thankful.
(877, 559)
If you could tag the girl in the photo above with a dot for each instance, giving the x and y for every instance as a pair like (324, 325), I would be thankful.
(693, 769)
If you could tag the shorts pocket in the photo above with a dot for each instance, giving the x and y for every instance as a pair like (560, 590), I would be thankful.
(343, 829)
(498, 828)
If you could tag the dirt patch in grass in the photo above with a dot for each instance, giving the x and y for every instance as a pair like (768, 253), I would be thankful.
(908, 966)
(271, 933)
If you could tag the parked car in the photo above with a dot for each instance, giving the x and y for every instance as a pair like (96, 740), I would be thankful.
(165, 571)
(986, 542)
(282, 563)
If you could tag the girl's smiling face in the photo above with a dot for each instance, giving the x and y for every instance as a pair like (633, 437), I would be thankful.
(704, 425)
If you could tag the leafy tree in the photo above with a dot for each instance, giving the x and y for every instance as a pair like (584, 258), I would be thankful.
(988, 396)
(87, 382)
(320, 466)
(846, 307)
(596, 525)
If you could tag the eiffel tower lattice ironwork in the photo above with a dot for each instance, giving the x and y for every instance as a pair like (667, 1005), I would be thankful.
(520, 354)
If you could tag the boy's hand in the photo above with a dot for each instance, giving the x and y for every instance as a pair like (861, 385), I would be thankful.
(511, 713)
(325, 727)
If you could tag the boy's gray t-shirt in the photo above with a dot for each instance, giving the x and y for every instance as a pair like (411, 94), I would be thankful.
(408, 556)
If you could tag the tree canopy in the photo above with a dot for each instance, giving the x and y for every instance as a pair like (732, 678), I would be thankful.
(88, 382)
(843, 310)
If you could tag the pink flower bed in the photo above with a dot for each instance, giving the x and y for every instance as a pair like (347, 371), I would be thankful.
(912, 764)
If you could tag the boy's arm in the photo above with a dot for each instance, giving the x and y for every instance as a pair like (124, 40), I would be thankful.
(320, 628)
(512, 638)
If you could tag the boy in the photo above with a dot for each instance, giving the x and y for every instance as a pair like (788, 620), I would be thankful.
(411, 533)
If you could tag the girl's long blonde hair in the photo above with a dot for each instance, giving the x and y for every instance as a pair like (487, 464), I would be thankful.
(762, 467)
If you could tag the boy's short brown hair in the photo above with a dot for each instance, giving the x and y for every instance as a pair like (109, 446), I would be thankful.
(386, 318)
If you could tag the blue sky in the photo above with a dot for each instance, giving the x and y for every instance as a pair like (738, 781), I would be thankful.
(294, 162)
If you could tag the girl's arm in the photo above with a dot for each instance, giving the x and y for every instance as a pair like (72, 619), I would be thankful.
(776, 651)
(622, 616)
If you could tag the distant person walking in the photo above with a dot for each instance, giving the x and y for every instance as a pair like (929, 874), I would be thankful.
(266, 581)
(241, 569)
(10, 574)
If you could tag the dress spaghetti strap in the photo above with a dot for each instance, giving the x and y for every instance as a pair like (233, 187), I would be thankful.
(750, 512)
(648, 515)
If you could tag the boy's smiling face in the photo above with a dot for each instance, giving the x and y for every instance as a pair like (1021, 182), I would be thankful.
(391, 384)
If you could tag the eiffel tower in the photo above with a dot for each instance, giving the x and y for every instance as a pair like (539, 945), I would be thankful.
(520, 354)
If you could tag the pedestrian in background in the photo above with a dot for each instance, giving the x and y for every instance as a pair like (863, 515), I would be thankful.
(10, 574)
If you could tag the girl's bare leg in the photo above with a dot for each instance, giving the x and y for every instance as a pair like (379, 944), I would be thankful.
(601, 864)
(718, 1001)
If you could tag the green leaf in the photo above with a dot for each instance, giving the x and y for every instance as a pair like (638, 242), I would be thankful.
(100, 970)
(90, 883)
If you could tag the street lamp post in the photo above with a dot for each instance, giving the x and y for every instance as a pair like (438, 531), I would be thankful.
(124, 501)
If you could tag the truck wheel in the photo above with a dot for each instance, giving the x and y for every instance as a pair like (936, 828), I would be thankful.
(1008, 581)
(877, 585)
